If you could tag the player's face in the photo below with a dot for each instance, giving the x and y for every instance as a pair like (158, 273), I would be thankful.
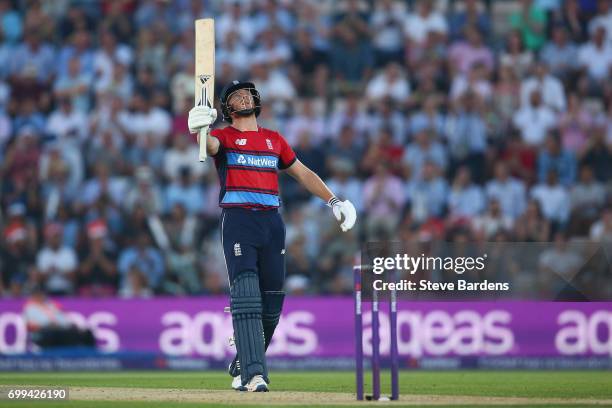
(241, 100)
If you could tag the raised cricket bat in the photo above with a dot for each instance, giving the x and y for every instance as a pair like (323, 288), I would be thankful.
(204, 70)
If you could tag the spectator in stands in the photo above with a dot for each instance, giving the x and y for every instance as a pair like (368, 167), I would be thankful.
(78, 48)
(75, 85)
(383, 148)
(507, 95)
(476, 82)
(554, 200)
(10, 22)
(595, 58)
(387, 23)
(67, 123)
(272, 49)
(550, 88)
(233, 53)
(182, 275)
(16, 260)
(183, 153)
(135, 285)
(597, 154)
(553, 157)
(532, 226)
(387, 116)
(184, 190)
(429, 117)
(466, 135)
(347, 146)
(516, 56)
(422, 21)
(351, 53)
(534, 120)
(33, 59)
(588, 197)
(472, 14)
(530, 20)
(558, 266)
(492, 222)
(344, 182)
(603, 18)
(464, 55)
(383, 201)
(561, 55)
(273, 85)
(508, 191)
(29, 116)
(97, 273)
(573, 19)
(466, 199)
(427, 195)
(141, 267)
(56, 264)
(601, 230)
(306, 118)
(425, 148)
(390, 84)
(310, 65)
(575, 124)
(104, 183)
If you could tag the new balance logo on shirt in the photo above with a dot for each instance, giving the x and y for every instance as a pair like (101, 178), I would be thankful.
(241, 142)
(237, 249)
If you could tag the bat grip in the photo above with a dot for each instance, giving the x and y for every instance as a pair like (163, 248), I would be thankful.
(203, 136)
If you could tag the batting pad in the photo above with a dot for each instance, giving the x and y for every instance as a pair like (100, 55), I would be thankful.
(245, 303)
(272, 308)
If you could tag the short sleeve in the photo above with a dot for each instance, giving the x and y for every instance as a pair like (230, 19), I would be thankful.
(220, 135)
(287, 155)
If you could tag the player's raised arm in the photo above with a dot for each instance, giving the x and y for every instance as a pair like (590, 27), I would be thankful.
(313, 183)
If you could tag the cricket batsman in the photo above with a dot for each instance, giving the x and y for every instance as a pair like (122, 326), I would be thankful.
(248, 158)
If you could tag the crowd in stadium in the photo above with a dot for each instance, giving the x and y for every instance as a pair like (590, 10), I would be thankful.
(491, 120)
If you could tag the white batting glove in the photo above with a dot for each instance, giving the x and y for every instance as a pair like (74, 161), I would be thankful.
(201, 117)
(346, 209)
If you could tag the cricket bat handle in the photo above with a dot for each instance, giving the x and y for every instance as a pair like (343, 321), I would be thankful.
(202, 138)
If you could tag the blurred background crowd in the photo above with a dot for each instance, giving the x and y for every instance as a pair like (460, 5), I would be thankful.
(487, 120)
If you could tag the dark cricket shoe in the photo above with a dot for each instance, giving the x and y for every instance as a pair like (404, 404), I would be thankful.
(234, 367)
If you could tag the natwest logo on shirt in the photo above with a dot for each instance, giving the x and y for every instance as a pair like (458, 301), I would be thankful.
(261, 161)
(255, 161)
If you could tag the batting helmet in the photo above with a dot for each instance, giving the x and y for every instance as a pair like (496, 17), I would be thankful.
(227, 92)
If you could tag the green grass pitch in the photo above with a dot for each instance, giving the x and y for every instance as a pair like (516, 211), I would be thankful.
(584, 385)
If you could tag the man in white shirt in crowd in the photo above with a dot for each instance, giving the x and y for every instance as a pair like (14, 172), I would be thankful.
(596, 56)
(534, 120)
(549, 86)
(390, 83)
(56, 263)
(425, 19)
